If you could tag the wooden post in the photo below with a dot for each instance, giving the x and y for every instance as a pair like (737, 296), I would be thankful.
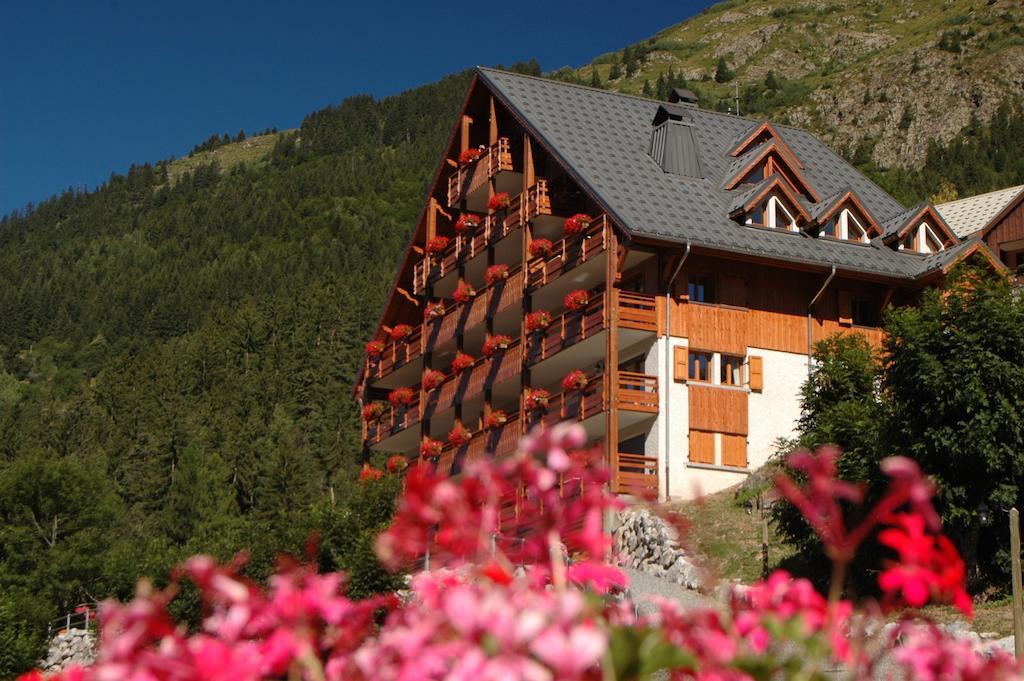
(1018, 606)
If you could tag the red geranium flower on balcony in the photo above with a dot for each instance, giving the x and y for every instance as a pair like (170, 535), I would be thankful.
(541, 248)
(463, 292)
(574, 380)
(374, 348)
(462, 362)
(576, 224)
(437, 244)
(459, 436)
(470, 155)
(495, 419)
(401, 397)
(496, 273)
(396, 463)
(467, 222)
(400, 331)
(431, 449)
(433, 311)
(495, 343)
(432, 378)
(498, 202)
(373, 411)
(537, 321)
(537, 399)
(370, 473)
(576, 300)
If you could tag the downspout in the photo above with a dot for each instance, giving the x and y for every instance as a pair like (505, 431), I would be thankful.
(668, 362)
(810, 312)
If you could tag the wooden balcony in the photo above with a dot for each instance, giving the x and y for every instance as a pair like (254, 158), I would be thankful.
(569, 253)
(432, 269)
(635, 474)
(489, 301)
(632, 392)
(491, 443)
(393, 422)
(636, 312)
(396, 355)
(485, 373)
(527, 206)
(471, 176)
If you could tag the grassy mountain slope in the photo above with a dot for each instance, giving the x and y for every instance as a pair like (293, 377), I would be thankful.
(896, 74)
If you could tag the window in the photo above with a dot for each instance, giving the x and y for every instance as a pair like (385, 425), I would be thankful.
(922, 240)
(700, 367)
(731, 370)
(851, 228)
(701, 288)
(772, 213)
(861, 312)
(829, 229)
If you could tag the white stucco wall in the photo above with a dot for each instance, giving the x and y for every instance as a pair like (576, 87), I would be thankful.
(774, 412)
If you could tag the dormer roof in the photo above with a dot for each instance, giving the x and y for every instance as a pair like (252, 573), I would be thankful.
(827, 208)
(756, 135)
(748, 161)
(775, 183)
(899, 224)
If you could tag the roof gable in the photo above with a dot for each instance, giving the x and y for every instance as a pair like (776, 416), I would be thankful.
(778, 154)
(829, 207)
(760, 134)
(897, 226)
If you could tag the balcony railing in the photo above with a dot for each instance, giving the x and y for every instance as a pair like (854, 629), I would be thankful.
(529, 205)
(636, 392)
(568, 253)
(488, 443)
(637, 311)
(392, 422)
(567, 329)
(396, 354)
(636, 474)
(488, 302)
(496, 158)
(487, 371)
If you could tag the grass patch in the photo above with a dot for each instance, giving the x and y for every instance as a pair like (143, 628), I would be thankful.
(227, 156)
(729, 538)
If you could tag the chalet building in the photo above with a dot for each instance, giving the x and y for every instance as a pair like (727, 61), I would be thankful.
(997, 218)
(652, 270)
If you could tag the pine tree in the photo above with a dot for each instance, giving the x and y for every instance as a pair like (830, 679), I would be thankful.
(723, 74)
(616, 72)
(595, 77)
(647, 88)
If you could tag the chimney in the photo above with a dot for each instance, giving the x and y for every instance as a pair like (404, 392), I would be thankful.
(672, 144)
(682, 97)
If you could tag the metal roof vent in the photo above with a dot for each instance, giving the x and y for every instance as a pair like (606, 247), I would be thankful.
(683, 97)
(673, 145)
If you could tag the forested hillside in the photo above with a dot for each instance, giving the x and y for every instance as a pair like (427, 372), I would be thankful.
(177, 347)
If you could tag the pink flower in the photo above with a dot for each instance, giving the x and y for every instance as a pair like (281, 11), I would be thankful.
(569, 654)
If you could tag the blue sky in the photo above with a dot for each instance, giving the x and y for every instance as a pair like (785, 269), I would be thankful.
(88, 88)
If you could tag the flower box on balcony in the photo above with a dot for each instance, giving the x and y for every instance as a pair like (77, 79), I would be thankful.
(541, 248)
(495, 344)
(467, 222)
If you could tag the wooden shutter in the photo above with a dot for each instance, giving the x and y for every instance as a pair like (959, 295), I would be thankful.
(680, 363)
(845, 308)
(734, 291)
(702, 447)
(755, 371)
(734, 451)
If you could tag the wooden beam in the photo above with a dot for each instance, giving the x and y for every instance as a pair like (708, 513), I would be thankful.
(452, 162)
(464, 133)
(431, 218)
(620, 262)
(492, 136)
(408, 296)
(529, 176)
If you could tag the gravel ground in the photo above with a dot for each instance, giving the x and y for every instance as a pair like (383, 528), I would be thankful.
(642, 584)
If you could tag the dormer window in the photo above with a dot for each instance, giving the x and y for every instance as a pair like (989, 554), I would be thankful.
(850, 227)
(846, 218)
(773, 213)
(922, 239)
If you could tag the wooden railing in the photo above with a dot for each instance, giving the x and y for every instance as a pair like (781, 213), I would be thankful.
(473, 381)
(637, 392)
(569, 253)
(576, 405)
(396, 354)
(637, 311)
(495, 158)
(568, 329)
(393, 421)
(459, 316)
(527, 206)
(636, 474)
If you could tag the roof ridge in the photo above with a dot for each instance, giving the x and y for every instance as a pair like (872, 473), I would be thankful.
(620, 94)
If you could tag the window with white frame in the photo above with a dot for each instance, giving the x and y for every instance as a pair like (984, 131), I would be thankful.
(772, 213)
(851, 228)
(922, 239)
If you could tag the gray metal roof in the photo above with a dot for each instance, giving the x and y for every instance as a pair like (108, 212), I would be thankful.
(603, 137)
(970, 215)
